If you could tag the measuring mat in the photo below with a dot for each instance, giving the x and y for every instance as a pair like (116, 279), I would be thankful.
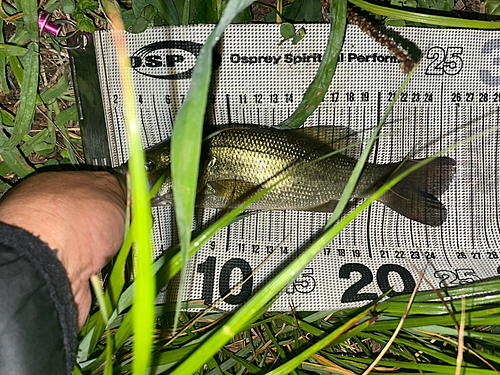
(454, 97)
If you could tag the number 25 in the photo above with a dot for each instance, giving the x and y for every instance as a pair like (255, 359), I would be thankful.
(444, 62)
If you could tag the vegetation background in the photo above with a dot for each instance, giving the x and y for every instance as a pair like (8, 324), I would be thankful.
(39, 129)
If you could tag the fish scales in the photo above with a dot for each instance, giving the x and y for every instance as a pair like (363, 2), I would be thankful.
(261, 157)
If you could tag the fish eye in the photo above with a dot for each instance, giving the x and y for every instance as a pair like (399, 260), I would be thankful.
(150, 164)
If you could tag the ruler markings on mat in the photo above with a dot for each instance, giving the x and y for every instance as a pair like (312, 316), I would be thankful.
(454, 95)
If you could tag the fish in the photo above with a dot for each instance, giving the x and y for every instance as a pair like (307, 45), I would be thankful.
(239, 161)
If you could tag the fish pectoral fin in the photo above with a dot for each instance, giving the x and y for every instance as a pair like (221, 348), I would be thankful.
(233, 190)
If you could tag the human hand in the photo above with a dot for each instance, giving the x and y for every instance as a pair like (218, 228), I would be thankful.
(80, 215)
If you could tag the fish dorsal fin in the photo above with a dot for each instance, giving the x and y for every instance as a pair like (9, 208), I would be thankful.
(335, 137)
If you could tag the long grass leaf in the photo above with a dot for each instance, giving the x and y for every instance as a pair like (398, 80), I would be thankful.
(30, 143)
(484, 287)
(484, 317)
(4, 169)
(14, 159)
(52, 93)
(62, 119)
(8, 50)
(168, 11)
(3, 63)
(252, 369)
(186, 11)
(437, 308)
(108, 370)
(141, 206)
(187, 134)
(356, 173)
(30, 17)
(317, 89)
(7, 118)
(485, 336)
(120, 338)
(18, 70)
(26, 109)
(429, 19)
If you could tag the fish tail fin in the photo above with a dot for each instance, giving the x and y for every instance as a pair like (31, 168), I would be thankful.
(415, 196)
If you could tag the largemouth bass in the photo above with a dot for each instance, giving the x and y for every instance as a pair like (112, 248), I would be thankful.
(238, 162)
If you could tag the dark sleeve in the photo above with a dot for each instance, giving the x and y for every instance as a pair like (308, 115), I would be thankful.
(38, 319)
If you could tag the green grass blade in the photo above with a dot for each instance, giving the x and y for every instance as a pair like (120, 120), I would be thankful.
(485, 317)
(319, 86)
(62, 119)
(423, 17)
(168, 11)
(356, 173)
(426, 367)
(141, 205)
(187, 134)
(26, 110)
(408, 343)
(4, 169)
(7, 118)
(252, 369)
(115, 286)
(274, 340)
(491, 337)
(120, 338)
(145, 288)
(304, 326)
(52, 93)
(114, 290)
(30, 17)
(108, 370)
(186, 11)
(31, 143)
(4, 86)
(14, 159)
(436, 308)
(8, 50)
(17, 69)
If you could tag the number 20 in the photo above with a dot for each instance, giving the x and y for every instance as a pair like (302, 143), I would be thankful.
(352, 293)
